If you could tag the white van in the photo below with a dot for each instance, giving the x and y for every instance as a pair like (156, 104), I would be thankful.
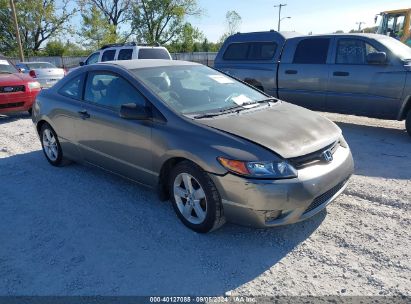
(127, 51)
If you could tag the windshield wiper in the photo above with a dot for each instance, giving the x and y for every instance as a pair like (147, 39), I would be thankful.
(241, 107)
(234, 109)
(5, 72)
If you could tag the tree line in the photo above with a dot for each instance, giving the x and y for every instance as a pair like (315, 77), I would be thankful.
(77, 27)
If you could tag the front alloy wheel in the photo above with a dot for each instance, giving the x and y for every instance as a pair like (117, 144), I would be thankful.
(195, 198)
(190, 198)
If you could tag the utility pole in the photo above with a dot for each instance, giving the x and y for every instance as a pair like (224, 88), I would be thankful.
(359, 25)
(279, 14)
(16, 25)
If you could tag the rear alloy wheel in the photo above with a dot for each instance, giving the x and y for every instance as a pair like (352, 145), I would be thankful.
(408, 123)
(195, 198)
(51, 145)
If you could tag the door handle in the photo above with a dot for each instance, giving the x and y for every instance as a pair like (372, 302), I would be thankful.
(291, 71)
(341, 73)
(84, 114)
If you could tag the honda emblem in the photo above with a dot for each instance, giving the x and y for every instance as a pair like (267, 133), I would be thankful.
(327, 155)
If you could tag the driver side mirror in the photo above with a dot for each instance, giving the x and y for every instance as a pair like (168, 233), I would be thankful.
(377, 58)
(134, 111)
(82, 63)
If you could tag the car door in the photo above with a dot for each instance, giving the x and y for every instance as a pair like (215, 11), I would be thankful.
(303, 72)
(68, 101)
(362, 88)
(107, 140)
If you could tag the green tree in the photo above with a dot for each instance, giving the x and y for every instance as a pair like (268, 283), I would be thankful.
(115, 12)
(233, 22)
(205, 46)
(54, 48)
(189, 37)
(96, 30)
(39, 21)
(161, 20)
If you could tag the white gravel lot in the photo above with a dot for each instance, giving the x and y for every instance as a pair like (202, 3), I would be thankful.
(81, 231)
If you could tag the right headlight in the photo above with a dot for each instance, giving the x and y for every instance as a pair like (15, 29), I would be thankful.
(259, 169)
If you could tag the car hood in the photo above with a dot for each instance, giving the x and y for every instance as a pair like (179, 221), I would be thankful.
(16, 78)
(285, 129)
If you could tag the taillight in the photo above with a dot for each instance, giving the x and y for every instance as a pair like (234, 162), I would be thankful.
(32, 73)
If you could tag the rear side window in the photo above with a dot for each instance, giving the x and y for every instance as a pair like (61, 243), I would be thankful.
(108, 55)
(153, 54)
(125, 54)
(236, 51)
(251, 51)
(312, 51)
(72, 88)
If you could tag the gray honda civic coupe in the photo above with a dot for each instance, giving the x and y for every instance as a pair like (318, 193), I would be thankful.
(218, 148)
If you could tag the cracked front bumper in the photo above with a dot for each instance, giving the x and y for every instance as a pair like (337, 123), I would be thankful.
(268, 203)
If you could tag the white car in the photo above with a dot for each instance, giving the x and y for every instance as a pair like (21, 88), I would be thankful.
(45, 73)
(127, 51)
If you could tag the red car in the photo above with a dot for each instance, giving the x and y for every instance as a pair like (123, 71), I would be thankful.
(17, 91)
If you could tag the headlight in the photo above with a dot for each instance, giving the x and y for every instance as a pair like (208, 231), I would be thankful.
(261, 169)
(34, 85)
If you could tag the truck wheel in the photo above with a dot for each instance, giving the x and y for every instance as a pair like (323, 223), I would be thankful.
(408, 122)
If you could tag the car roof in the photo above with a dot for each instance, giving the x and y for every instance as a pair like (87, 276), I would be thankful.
(367, 35)
(147, 63)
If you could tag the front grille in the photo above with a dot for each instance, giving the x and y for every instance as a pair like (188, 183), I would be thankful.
(11, 105)
(12, 89)
(317, 156)
(323, 198)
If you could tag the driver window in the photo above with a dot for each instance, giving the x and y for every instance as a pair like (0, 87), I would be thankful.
(110, 90)
(353, 51)
(93, 58)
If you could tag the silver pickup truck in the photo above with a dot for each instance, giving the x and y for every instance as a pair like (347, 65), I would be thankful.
(360, 74)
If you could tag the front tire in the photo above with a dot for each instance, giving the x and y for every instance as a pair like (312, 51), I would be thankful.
(51, 145)
(195, 198)
(408, 122)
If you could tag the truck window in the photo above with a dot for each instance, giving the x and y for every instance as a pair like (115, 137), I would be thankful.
(236, 51)
(108, 55)
(125, 54)
(353, 51)
(153, 54)
(93, 58)
(312, 51)
(250, 51)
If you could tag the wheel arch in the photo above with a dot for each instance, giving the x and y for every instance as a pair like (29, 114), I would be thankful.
(164, 175)
(405, 107)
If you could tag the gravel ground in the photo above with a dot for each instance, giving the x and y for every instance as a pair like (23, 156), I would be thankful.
(80, 231)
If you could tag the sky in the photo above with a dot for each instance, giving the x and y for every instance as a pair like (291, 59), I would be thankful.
(317, 16)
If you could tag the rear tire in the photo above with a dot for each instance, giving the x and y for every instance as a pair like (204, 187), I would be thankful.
(51, 145)
(408, 122)
(195, 198)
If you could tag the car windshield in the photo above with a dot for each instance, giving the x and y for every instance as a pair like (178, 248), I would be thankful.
(194, 89)
(40, 65)
(397, 47)
(6, 67)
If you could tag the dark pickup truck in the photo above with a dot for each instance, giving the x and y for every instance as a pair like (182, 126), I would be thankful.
(360, 74)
